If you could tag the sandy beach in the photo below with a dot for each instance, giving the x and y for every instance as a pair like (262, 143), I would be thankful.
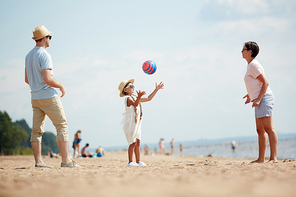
(163, 176)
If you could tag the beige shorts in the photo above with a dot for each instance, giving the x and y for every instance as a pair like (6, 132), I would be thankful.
(53, 108)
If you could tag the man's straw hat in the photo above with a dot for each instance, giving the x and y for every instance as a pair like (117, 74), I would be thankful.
(122, 84)
(40, 32)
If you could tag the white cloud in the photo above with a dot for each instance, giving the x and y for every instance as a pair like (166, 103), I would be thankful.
(252, 27)
(232, 10)
(248, 7)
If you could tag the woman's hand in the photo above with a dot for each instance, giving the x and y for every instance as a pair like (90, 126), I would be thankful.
(248, 99)
(159, 86)
(256, 102)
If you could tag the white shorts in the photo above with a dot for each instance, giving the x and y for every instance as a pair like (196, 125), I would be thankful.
(265, 107)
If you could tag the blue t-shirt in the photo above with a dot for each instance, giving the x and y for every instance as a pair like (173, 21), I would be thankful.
(37, 60)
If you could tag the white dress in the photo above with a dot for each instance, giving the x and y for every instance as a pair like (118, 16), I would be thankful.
(131, 129)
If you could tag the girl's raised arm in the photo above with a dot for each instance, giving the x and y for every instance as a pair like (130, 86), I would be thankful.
(150, 97)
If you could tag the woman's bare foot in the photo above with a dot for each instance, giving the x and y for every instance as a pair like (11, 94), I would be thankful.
(257, 161)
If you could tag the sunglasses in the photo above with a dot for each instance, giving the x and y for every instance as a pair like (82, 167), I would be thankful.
(49, 37)
(244, 50)
(131, 86)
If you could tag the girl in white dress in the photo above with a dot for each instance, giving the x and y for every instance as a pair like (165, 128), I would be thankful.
(133, 117)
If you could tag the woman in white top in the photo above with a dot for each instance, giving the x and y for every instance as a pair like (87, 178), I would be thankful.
(262, 98)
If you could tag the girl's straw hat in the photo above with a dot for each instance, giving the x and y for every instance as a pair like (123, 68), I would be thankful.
(40, 32)
(123, 84)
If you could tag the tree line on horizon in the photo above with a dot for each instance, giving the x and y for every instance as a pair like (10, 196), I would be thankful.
(15, 138)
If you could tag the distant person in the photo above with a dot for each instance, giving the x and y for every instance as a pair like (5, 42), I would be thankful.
(76, 143)
(133, 117)
(172, 145)
(51, 154)
(84, 153)
(44, 98)
(260, 94)
(233, 145)
(100, 152)
(146, 150)
(181, 149)
(161, 145)
(54, 155)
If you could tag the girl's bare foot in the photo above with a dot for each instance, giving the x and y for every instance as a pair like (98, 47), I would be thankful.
(273, 161)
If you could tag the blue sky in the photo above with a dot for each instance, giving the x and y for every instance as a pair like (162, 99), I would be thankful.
(195, 44)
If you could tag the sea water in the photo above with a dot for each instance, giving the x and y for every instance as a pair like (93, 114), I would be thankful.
(286, 149)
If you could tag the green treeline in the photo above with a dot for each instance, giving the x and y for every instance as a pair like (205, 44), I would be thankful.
(15, 138)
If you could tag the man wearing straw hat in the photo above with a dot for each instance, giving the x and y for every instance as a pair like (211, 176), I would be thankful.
(44, 98)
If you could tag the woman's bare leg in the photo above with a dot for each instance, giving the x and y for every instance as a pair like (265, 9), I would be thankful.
(78, 149)
(74, 150)
(262, 140)
(273, 140)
